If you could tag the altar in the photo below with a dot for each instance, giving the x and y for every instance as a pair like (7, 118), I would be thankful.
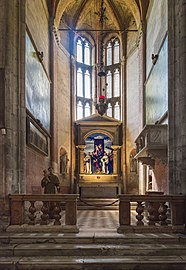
(98, 156)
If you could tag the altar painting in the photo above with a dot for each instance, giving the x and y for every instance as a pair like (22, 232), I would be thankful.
(98, 154)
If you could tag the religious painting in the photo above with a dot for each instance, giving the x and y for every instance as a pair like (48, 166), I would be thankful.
(37, 86)
(36, 138)
(98, 154)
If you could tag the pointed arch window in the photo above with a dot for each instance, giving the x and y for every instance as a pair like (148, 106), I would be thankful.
(113, 78)
(116, 83)
(116, 51)
(117, 111)
(79, 82)
(83, 78)
(79, 110)
(109, 54)
(87, 53)
(87, 84)
(109, 84)
(87, 109)
(109, 110)
(79, 52)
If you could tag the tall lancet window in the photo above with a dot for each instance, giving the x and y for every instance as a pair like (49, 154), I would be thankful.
(113, 78)
(83, 78)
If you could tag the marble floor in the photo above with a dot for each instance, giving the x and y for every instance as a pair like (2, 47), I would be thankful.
(100, 219)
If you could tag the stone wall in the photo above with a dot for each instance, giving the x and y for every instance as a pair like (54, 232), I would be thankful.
(64, 112)
(157, 26)
(37, 21)
(2, 31)
(133, 111)
(177, 96)
(2, 93)
(12, 136)
(156, 86)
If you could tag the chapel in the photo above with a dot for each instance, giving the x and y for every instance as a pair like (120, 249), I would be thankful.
(94, 90)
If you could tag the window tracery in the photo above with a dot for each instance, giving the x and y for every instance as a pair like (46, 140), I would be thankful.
(83, 78)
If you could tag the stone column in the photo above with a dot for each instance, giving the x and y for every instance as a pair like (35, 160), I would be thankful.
(15, 110)
(81, 149)
(115, 159)
(177, 95)
(12, 88)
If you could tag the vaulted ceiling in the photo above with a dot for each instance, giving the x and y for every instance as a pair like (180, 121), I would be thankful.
(121, 14)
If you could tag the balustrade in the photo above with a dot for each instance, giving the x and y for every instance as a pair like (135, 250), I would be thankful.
(43, 209)
(152, 212)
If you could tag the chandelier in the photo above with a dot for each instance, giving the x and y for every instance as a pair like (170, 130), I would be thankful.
(101, 107)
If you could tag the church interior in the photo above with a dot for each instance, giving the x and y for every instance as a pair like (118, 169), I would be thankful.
(92, 99)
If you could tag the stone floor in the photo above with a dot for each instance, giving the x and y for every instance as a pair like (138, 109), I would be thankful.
(97, 246)
(98, 219)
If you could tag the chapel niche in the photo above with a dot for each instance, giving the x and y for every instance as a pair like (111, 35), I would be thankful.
(98, 156)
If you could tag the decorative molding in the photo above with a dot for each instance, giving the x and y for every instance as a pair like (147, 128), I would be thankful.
(152, 144)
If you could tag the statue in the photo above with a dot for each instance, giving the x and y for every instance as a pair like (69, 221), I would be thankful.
(63, 164)
(102, 106)
(50, 182)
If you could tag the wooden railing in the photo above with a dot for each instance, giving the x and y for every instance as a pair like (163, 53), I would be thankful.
(43, 210)
(159, 213)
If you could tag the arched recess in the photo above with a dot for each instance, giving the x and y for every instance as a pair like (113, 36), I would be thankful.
(63, 161)
(98, 131)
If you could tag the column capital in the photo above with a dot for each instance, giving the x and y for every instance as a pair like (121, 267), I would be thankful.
(81, 146)
(116, 147)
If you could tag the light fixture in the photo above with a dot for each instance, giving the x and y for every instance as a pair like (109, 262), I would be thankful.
(102, 18)
(101, 107)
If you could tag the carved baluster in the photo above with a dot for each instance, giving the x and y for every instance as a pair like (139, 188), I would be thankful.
(56, 212)
(152, 213)
(139, 217)
(31, 214)
(44, 216)
(163, 216)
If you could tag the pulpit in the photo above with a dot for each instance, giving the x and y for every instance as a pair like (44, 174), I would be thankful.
(98, 156)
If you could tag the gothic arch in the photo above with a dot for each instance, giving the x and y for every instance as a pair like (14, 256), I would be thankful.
(98, 131)
(132, 6)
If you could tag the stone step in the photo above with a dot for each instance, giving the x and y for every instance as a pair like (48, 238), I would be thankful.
(88, 237)
(99, 250)
(94, 263)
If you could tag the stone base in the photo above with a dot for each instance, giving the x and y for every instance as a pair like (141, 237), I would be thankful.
(151, 229)
(42, 228)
